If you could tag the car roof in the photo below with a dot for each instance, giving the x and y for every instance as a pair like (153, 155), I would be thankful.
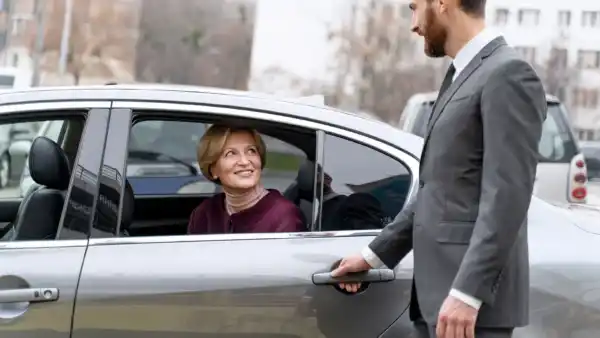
(431, 96)
(183, 94)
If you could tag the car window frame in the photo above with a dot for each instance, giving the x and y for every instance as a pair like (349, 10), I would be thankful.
(48, 110)
(197, 109)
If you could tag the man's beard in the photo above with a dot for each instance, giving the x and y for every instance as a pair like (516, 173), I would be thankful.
(435, 37)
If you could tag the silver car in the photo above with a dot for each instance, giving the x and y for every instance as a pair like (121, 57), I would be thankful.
(89, 253)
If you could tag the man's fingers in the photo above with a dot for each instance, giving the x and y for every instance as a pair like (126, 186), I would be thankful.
(459, 329)
(341, 270)
(350, 287)
(470, 330)
(440, 328)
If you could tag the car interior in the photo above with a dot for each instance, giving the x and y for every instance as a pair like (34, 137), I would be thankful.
(51, 166)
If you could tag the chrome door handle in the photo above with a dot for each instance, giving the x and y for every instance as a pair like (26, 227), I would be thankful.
(369, 276)
(35, 295)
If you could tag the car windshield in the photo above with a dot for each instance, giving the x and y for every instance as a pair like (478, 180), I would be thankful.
(557, 143)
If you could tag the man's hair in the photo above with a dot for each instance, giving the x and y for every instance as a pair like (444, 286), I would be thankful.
(475, 8)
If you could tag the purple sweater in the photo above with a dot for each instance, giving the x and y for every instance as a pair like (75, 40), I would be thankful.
(273, 213)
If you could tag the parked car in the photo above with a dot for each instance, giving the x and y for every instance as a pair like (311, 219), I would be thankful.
(86, 256)
(561, 173)
(591, 152)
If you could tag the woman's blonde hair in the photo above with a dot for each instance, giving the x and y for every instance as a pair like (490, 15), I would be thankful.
(213, 141)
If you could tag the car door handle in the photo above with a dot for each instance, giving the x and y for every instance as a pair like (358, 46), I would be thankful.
(369, 276)
(36, 295)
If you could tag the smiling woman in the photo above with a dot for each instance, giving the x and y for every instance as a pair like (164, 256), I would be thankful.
(234, 158)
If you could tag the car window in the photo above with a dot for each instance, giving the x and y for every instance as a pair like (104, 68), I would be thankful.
(16, 181)
(162, 159)
(54, 129)
(557, 143)
(373, 186)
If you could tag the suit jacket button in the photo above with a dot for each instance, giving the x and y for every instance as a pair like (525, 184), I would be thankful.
(421, 184)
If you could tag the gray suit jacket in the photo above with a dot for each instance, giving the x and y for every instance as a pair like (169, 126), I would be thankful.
(467, 225)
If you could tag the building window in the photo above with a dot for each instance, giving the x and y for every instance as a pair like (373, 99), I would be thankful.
(15, 60)
(559, 58)
(501, 17)
(590, 19)
(585, 98)
(529, 17)
(564, 18)
(528, 53)
(589, 59)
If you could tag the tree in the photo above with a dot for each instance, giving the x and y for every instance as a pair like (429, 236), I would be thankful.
(101, 32)
(205, 42)
(557, 74)
(376, 58)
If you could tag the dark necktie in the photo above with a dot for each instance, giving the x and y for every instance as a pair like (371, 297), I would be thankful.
(447, 80)
(445, 84)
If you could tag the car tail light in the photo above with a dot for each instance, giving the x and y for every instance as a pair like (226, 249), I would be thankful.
(580, 178)
(579, 193)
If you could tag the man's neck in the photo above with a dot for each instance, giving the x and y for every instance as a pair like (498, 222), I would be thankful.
(461, 34)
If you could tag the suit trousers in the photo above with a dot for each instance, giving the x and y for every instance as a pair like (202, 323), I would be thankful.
(424, 330)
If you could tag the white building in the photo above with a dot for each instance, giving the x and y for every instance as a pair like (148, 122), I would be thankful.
(568, 31)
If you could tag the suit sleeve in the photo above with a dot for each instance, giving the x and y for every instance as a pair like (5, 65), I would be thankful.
(513, 109)
(394, 242)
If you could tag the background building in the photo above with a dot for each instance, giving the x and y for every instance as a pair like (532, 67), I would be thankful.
(562, 39)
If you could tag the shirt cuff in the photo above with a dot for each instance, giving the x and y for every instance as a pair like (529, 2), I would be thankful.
(469, 300)
(372, 258)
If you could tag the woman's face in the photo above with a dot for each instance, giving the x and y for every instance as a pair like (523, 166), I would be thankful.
(239, 166)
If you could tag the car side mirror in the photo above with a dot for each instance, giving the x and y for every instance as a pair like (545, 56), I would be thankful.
(19, 148)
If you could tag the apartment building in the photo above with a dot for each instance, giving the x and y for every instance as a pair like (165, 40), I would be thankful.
(563, 40)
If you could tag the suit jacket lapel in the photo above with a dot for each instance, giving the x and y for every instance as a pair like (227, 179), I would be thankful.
(442, 101)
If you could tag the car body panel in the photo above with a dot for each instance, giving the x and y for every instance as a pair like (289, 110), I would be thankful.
(39, 265)
(208, 285)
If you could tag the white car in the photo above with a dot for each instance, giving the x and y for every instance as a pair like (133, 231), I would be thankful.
(561, 172)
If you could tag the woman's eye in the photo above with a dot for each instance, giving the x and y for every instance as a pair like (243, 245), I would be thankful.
(229, 153)
(252, 151)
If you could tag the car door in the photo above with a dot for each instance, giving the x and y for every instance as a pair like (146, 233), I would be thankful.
(244, 285)
(38, 278)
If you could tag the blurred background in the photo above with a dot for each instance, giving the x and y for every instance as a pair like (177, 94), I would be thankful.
(359, 54)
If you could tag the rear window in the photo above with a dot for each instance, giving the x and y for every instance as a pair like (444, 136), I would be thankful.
(557, 144)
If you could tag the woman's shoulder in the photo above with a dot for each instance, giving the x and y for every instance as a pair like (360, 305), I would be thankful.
(210, 203)
(275, 198)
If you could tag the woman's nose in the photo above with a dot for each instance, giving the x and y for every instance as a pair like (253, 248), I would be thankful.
(243, 159)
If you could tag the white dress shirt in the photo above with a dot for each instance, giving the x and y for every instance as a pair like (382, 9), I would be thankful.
(462, 59)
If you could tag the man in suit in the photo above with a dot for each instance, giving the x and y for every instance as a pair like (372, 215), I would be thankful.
(467, 226)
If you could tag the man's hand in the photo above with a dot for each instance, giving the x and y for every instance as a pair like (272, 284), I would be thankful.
(456, 320)
(355, 263)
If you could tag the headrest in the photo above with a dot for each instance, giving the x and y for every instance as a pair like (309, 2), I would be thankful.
(48, 164)
(306, 177)
(127, 207)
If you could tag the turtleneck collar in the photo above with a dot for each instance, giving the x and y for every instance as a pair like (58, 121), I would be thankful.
(236, 201)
